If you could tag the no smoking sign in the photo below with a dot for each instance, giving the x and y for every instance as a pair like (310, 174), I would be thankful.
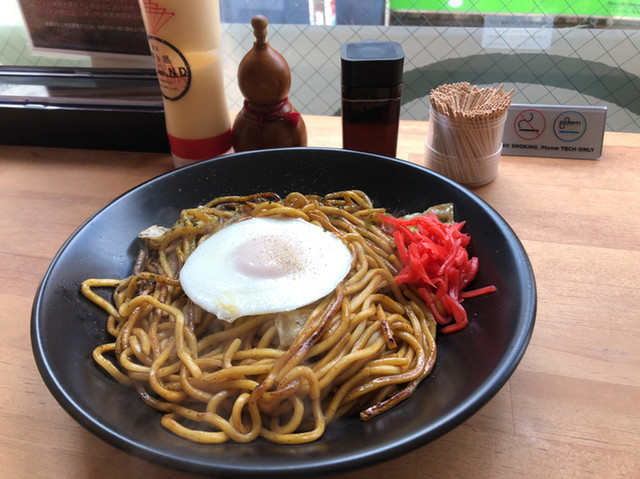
(530, 124)
(554, 130)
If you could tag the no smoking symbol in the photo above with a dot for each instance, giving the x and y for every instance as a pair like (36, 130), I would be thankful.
(529, 124)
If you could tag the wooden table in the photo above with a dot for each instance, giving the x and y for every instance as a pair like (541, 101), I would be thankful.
(571, 409)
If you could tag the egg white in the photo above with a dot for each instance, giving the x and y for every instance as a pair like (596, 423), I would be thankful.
(264, 265)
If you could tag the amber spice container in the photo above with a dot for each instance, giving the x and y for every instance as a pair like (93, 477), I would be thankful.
(371, 96)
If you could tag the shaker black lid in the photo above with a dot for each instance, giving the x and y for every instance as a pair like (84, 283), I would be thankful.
(371, 64)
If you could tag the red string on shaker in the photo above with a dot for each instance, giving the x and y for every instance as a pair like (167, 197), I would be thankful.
(268, 114)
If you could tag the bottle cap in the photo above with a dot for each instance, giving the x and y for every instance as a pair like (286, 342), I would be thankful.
(371, 64)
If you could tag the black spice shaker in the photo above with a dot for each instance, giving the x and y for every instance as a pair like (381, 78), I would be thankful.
(371, 94)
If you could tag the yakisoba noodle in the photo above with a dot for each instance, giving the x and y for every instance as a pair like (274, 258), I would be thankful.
(363, 349)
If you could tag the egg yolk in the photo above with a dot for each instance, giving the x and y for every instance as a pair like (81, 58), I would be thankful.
(268, 257)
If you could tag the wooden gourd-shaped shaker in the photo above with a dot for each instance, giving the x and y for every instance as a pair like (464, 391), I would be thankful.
(267, 119)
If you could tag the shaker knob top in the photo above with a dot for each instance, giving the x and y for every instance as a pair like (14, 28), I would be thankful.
(259, 24)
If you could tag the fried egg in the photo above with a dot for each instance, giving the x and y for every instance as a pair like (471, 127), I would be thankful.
(264, 265)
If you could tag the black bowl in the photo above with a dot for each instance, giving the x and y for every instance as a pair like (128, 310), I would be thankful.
(472, 364)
